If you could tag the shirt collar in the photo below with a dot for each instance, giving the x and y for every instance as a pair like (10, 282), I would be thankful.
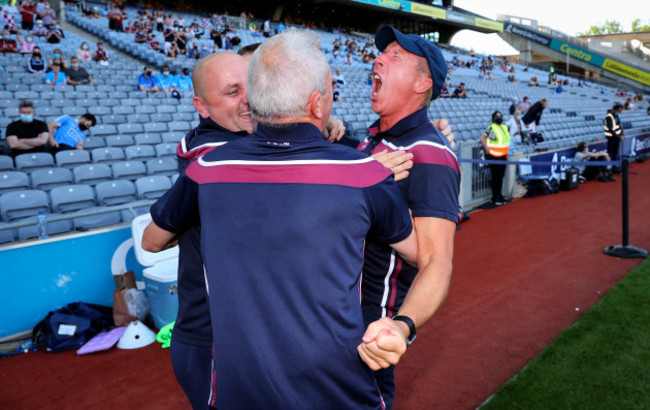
(289, 132)
(206, 124)
(402, 126)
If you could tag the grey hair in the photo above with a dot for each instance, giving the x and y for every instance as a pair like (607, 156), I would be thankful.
(283, 73)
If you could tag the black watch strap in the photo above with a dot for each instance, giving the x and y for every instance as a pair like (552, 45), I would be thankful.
(409, 322)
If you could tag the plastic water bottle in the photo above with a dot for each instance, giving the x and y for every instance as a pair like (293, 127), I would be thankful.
(41, 222)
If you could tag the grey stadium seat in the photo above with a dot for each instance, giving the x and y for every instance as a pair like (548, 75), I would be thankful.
(173, 137)
(162, 166)
(166, 149)
(130, 128)
(53, 227)
(123, 109)
(145, 109)
(119, 141)
(148, 139)
(107, 155)
(129, 170)
(13, 181)
(114, 119)
(91, 174)
(72, 158)
(152, 187)
(23, 204)
(94, 142)
(139, 119)
(155, 127)
(115, 192)
(49, 178)
(73, 198)
(140, 152)
(104, 129)
(182, 126)
(6, 163)
(29, 162)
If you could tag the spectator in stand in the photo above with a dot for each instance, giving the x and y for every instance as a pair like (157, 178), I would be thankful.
(533, 116)
(183, 81)
(460, 92)
(533, 82)
(76, 74)
(559, 89)
(628, 105)
(339, 78)
(165, 79)
(87, 11)
(7, 43)
(266, 30)
(36, 64)
(101, 54)
(147, 82)
(336, 93)
(27, 11)
(514, 126)
(83, 52)
(594, 172)
(27, 45)
(106, 10)
(54, 35)
(496, 144)
(27, 134)
(514, 105)
(525, 105)
(58, 58)
(48, 15)
(2, 70)
(40, 30)
(66, 133)
(444, 91)
(116, 19)
(235, 43)
(194, 52)
(56, 76)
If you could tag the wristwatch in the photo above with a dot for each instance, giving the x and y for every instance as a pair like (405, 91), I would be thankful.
(409, 322)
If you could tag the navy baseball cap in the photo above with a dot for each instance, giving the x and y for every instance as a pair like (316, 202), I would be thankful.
(420, 47)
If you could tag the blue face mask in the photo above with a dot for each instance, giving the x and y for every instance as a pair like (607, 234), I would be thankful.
(26, 117)
(57, 55)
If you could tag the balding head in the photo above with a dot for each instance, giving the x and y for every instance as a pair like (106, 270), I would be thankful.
(219, 82)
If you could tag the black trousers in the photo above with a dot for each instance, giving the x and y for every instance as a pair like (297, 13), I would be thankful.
(612, 147)
(498, 172)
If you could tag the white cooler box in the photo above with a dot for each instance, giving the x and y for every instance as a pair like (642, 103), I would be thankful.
(160, 276)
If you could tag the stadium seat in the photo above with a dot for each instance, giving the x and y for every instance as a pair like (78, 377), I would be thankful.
(73, 198)
(115, 192)
(119, 141)
(123, 109)
(145, 109)
(148, 139)
(22, 204)
(166, 149)
(173, 137)
(162, 166)
(49, 178)
(53, 228)
(152, 187)
(107, 155)
(29, 162)
(6, 235)
(182, 126)
(139, 119)
(155, 127)
(6, 163)
(184, 116)
(140, 152)
(114, 119)
(130, 128)
(94, 142)
(72, 158)
(91, 174)
(13, 181)
(130, 170)
(104, 129)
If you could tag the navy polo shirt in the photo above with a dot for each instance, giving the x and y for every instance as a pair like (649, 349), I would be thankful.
(284, 218)
(193, 320)
(431, 190)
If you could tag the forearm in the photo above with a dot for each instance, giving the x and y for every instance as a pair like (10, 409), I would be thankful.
(15, 143)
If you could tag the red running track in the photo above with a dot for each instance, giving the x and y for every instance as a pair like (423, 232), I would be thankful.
(520, 272)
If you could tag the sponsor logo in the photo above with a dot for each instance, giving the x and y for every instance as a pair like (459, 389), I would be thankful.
(391, 4)
(531, 35)
(627, 71)
(575, 52)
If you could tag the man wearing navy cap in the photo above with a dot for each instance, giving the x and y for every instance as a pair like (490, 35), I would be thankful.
(407, 76)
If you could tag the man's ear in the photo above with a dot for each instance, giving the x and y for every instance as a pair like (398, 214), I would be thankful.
(200, 107)
(423, 85)
(314, 105)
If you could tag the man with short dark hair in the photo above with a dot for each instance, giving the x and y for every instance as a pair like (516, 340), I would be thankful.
(66, 133)
(77, 75)
(56, 76)
(460, 92)
(165, 79)
(27, 134)
(147, 82)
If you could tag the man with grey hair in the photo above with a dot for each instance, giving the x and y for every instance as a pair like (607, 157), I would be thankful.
(284, 216)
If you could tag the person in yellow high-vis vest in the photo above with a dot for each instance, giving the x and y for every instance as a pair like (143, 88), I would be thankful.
(496, 144)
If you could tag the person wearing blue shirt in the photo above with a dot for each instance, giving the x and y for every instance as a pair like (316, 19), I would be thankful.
(287, 319)
(147, 82)
(165, 79)
(183, 81)
(56, 76)
(66, 133)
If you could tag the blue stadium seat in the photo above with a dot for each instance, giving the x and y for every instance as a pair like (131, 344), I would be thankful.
(173, 137)
(148, 139)
(104, 129)
(182, 126)
(73, 198)
(119, 141)
(166, 149)
(184, 116)
(13, 181)
(155, 127)
(92, 174)
(130, 170)
(6, 235)
(152, 187)
(6, 163)
(22, 204)
(49, 178)
(107, 155)
(94, 142)
(29, 162)
(115, 192)
(72, 158)
(165, 109)
(162, 166)
(130, 128)
(145, 109)
(113, 119)
(140, 119)
(123, 109)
